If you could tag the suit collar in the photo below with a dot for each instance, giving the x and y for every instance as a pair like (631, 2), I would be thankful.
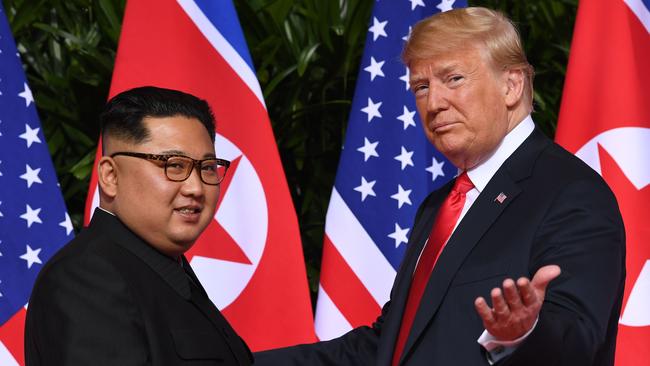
(167, 268)
(481, 174)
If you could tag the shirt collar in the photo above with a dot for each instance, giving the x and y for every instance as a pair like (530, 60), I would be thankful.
(481, 174)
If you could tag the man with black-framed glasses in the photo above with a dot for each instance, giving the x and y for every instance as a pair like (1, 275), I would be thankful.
(122, 293)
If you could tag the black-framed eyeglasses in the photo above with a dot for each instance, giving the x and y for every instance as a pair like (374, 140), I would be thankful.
(179, 167)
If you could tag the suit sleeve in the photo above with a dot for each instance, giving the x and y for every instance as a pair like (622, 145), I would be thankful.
(81, 313)
(357, 347)
(583, 233)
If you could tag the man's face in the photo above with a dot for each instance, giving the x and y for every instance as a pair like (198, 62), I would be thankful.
(168, 215)
(461, 100)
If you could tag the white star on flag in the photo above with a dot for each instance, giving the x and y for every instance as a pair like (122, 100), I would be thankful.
(31, 216)
(406, 37)
(416, 3)
(1, 211)
(31, 176)
(378, 28)
(405, 78)
(399, 235)
(402, 196)
(67, 224)
(372, 110)
(27, 95)
(407, 118)
(375, 68)
(30, 135)
(445, 5)
(368, 149)
(31, 256)
(405, 157)
(435, 169)
(366, 188)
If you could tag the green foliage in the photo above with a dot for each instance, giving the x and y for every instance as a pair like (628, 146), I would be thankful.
(68, 48)
(307, 55)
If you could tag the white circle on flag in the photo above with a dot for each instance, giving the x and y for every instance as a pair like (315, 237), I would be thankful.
(628, 146)
(243, 215)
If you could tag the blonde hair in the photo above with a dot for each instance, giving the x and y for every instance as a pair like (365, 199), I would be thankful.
(459, 29)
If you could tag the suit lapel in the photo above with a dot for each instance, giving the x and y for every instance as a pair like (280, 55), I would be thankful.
(495, 198)
(167, 268)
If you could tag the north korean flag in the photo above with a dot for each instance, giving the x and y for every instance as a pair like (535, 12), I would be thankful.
(605, 120)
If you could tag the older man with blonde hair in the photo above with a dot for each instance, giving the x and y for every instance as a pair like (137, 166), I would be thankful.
(521, 207)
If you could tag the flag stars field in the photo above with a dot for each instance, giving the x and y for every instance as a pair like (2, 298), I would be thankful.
(405, 158)
(378, 29)
(368, 149)
(31, 256)
(67, 224)
(27, 95)
(372, 110)
(31, 176)
(375, 68)
(407, 117)
(31, 216)
(416, 3)
(30, 135)
(366, 189)
(445, 5)
(436, 169)
(402, 196)
(405, 78)
(399, 235)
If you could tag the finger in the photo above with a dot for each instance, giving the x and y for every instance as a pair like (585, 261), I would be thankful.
(511, 294)
(545, 275)
(484, 311)
(501, 309)
(526, 291)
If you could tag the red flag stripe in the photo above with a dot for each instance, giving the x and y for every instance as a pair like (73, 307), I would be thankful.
(344, 288)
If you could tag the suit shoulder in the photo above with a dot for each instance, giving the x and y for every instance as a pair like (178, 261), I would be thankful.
(81, 259)
(563, 167)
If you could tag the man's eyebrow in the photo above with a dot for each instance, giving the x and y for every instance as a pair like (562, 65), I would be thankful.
(179, 152)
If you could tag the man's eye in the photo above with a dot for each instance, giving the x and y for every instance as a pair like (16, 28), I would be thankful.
(419, 88)
(455, 78)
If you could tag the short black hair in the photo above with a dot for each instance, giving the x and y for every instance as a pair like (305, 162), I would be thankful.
(123, 114)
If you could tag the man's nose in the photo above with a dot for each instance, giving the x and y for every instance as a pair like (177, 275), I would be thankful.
(436, 99)
(193, 185)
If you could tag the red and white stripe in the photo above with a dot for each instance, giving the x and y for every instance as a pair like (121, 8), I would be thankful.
(355, 279)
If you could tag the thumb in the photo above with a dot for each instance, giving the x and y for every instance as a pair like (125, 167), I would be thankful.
(544, 276)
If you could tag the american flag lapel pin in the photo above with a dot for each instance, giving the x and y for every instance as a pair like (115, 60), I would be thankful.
(500, 198)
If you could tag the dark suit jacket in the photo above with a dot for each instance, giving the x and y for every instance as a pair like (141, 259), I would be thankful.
(108, 298)
(557, 211)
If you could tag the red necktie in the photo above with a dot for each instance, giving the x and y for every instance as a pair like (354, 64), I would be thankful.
(443, 226)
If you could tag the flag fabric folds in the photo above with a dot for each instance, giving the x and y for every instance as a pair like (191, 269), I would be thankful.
(34, 222)
(249, 259)
(387, 168)
(605, 120)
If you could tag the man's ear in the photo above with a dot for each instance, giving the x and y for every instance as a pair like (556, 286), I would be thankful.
(107, 176)
(514, 92)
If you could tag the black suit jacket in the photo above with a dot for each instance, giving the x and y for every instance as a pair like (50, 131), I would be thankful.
(108, 298)
(557, 211)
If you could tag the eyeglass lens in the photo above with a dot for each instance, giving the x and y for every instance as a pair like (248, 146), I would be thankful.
(179, 168)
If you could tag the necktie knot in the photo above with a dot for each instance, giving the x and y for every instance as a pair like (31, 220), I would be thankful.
(463, 184)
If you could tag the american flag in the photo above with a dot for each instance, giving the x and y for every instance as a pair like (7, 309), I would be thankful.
(387, 168)
(34, 222)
